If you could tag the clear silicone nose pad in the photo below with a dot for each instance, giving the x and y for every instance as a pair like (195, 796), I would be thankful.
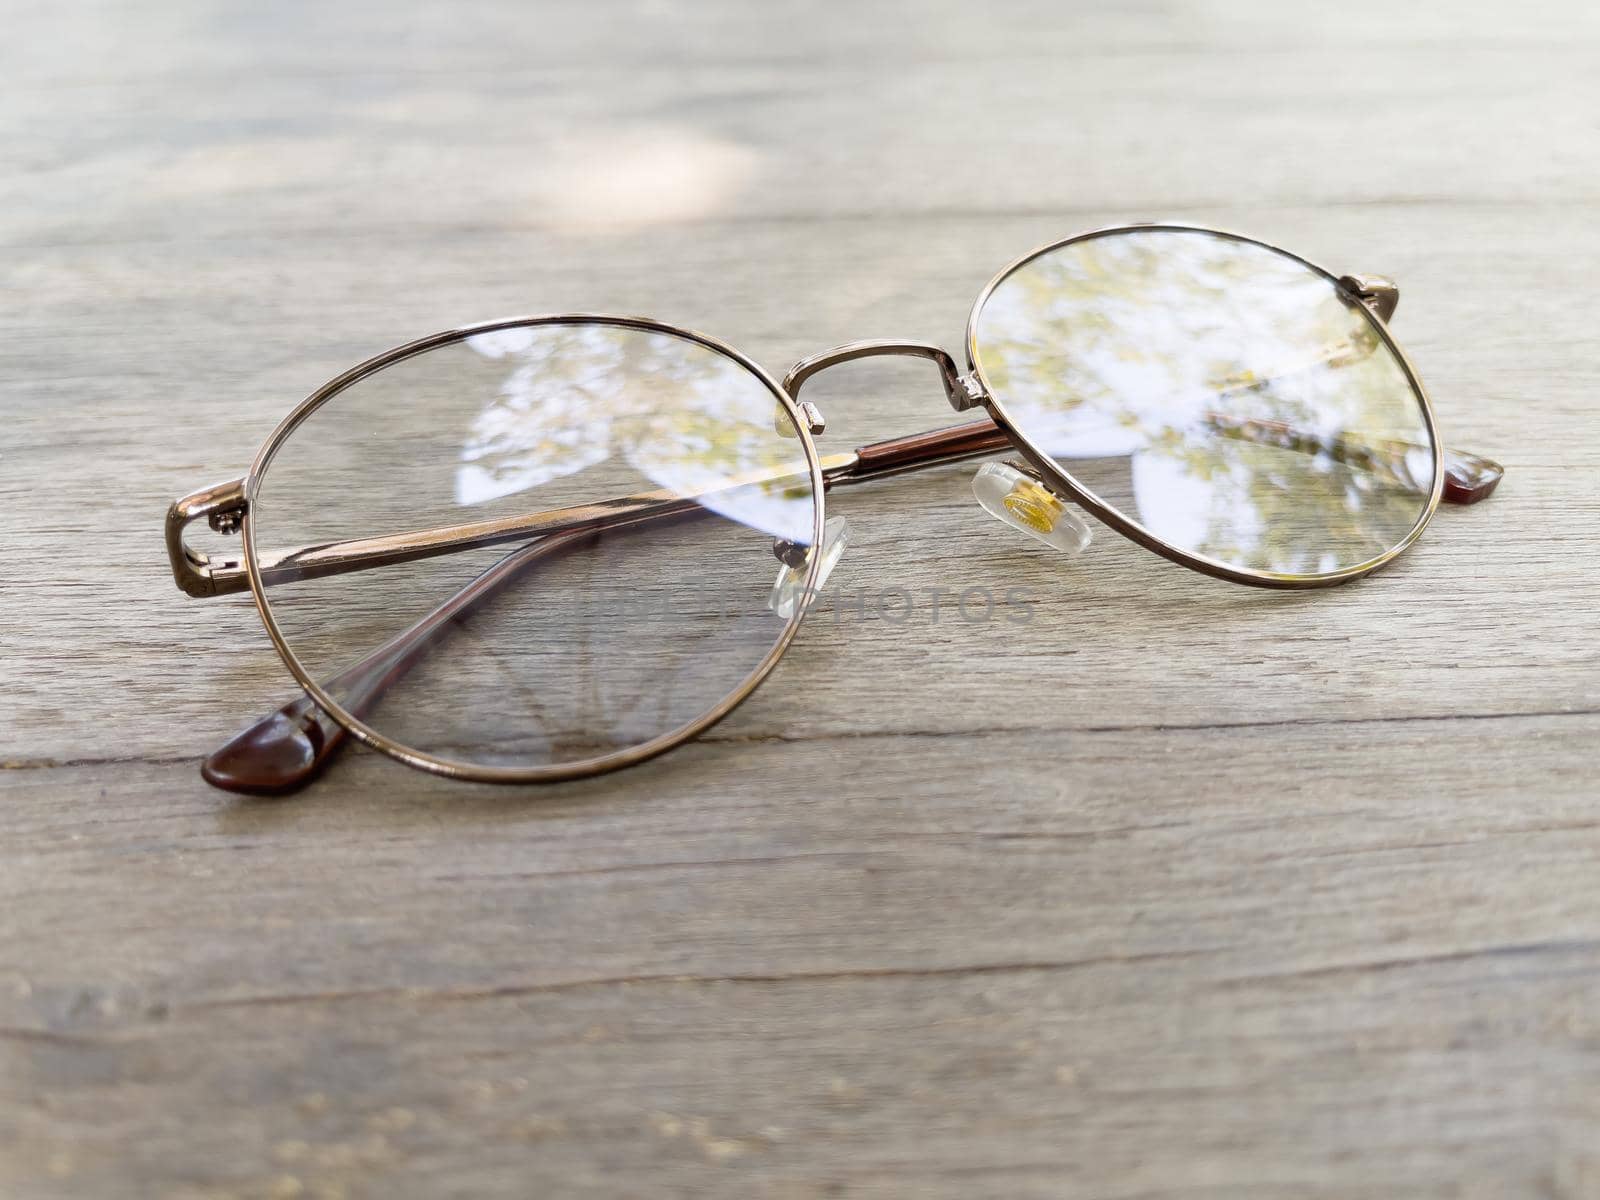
(789, 590)
(1022, 502)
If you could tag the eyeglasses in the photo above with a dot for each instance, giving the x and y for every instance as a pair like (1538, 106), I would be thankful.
(544, 548)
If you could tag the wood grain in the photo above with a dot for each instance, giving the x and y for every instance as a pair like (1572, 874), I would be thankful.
(1173, 890)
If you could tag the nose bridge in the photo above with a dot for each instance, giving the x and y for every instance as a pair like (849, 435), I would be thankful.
(963, 391)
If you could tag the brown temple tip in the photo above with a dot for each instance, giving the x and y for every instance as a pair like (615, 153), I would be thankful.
(1468, 478)
(280, 753)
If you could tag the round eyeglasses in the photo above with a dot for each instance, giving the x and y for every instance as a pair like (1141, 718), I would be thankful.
(549, 547)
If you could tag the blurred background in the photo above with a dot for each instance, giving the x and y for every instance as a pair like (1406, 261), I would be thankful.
(334, 178)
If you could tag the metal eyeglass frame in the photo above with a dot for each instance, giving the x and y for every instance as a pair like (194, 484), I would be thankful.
(291, 746)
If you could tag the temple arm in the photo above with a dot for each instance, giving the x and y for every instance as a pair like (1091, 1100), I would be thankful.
(224, 506)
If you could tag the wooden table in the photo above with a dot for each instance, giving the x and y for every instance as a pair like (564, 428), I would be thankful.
(1180, 890)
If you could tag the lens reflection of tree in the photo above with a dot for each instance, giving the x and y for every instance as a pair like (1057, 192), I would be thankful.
(1136, 344)
(684, 416)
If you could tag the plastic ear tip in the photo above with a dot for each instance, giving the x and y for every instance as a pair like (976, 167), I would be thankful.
(280, 753)
(789, 590)
(1469, 478)
(1017, 499)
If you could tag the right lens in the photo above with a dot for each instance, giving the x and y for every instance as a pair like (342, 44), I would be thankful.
(1230, 399)
(675, 481)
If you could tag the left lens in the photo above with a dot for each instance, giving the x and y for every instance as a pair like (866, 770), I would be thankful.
(567, 535)
(1230, 399)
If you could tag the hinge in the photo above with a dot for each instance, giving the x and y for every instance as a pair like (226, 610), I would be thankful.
(1378, 292)
(224, 507)
(967, 393)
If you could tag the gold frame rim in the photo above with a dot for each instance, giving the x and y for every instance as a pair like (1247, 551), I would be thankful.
(1132, 529)
(553, 773)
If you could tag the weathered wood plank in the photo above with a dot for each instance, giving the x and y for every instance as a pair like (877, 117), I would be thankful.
(1315, 987)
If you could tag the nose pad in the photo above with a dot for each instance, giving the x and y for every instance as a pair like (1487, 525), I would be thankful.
(789, 590)
(1019, 500)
